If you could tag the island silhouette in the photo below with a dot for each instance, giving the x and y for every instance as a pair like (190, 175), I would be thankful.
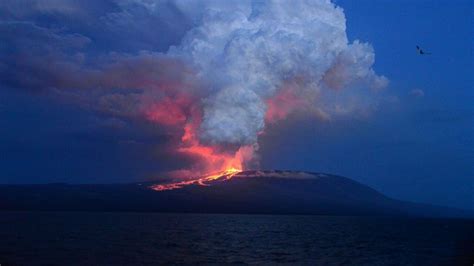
(252, 192)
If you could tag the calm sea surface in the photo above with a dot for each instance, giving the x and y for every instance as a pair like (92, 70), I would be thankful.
(62, 238)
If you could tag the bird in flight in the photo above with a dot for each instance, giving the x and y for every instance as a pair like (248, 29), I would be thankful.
(421, 51)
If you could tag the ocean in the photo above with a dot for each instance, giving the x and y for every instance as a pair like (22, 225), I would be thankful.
(85, 238)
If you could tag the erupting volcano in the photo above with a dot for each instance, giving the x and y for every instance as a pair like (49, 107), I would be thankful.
(236, 71)
(200, 105)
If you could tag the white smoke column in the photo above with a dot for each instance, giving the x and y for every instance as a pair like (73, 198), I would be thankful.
(246, 51)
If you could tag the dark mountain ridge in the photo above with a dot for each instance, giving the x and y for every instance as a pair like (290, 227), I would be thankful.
(262, 192)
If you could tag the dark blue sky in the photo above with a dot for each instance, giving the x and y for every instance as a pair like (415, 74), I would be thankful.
(418, 146)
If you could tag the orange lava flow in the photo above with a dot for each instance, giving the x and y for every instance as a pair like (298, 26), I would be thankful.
(203, 181)
(223, 165)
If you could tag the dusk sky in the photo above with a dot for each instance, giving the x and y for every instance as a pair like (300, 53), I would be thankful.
(105, 91)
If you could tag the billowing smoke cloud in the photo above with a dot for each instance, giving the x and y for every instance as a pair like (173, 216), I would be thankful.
(248, 54)
(235, 67)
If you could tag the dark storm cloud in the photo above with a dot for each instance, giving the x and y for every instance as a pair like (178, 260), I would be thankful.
(58, 44)
(38, 58)
(67, 51)
(145, 26)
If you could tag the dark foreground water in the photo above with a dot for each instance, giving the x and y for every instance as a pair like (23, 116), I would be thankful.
(62, 238)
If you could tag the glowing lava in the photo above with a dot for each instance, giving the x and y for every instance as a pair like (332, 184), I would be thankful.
(223, 165)
(223, 162)
(203, 181)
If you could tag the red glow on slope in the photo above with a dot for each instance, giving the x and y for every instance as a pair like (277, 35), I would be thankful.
(222, 164)
(202, 181)
(213, 161)
(214, 158)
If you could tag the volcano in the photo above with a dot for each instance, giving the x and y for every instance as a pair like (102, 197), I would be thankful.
(252, 192)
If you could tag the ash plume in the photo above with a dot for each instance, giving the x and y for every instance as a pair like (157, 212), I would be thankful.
(235, 67)
(247, 55)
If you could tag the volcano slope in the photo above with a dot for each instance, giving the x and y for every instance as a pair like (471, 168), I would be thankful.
(252, 192)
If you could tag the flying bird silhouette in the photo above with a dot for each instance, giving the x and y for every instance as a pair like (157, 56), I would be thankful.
(420, 51)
